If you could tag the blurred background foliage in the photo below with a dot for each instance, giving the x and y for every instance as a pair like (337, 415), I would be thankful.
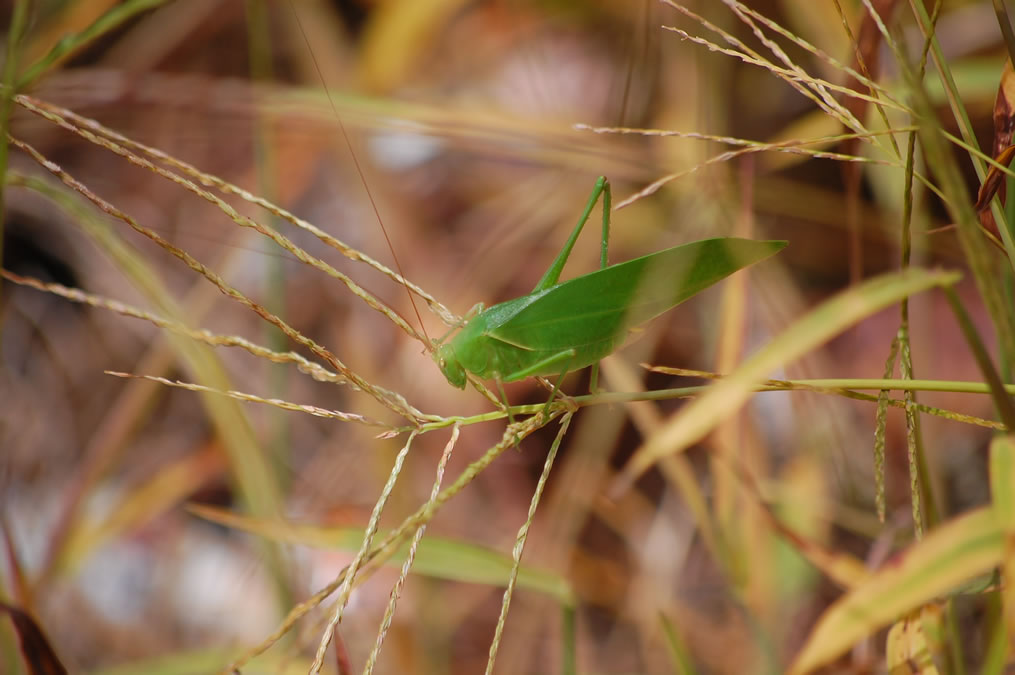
(462, 119)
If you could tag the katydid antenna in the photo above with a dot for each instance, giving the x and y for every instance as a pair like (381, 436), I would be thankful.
(362, 177)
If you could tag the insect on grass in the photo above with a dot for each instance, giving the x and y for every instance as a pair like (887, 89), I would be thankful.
(564, 326)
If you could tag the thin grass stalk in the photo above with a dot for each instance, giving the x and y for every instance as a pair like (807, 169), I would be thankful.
(279, 404)
(867, 80)
(914, 449)
(999, 391)
(747, 18)
(974, 151)
(792, 76)
(257, 487)
(95, 133)
(751, 148)
(683, 662)
(880, 432)
(207, 179)
(919, 474)
(879, 95)
(996, 654)
(1004, 23)
(266, 166)
(393, 402)
(927, 25)
(793, 145)
(1006, 361)
(254, 481)
(844, 387)
(241, 220)
(64, 49)
(346, 589)
(965, 126)
(1002, 492)
(387, 547)
(960, 209)
(519, 547)
(396, 590)
(303, 365)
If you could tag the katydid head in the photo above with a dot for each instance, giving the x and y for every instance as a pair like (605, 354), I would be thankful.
(448, 362)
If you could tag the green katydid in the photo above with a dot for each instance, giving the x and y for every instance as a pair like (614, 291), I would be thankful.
(566, 326)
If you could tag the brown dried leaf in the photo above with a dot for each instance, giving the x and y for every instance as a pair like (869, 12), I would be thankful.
(1004, 110)
(1004, 124)
(39, 655)
(994, 182)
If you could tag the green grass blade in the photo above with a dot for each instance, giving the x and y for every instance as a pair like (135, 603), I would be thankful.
(436, 557)
(204, 661)
(679, 653)
(66, 47)
(1002, 490)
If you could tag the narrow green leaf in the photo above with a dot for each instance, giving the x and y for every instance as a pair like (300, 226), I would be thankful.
(880, 432)
(72, 44)
(204, 661)
(1002, 480)
(436, 557)
(1002, 491)
(679, 653)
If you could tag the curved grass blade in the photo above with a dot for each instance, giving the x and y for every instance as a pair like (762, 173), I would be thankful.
(948, 556)
(723, 399)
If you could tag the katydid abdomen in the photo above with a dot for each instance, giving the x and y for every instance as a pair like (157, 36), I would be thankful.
(575, 323)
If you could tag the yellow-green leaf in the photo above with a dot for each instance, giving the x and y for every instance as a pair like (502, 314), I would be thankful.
(950, 555)
(725, 397)
(436, 557)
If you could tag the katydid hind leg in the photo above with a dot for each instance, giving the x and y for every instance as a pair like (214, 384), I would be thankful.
(603, 263)
(607, 208)
(553, 274)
